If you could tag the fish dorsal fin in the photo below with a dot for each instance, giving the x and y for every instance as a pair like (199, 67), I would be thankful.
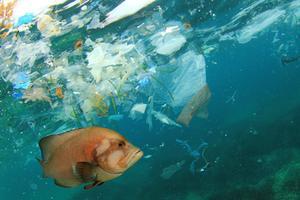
(49, 143)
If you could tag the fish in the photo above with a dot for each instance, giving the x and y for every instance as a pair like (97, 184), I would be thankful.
(90, 156)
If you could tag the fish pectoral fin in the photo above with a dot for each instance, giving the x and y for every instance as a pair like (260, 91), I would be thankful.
(96, 183)
(84, 171)
(60, 184)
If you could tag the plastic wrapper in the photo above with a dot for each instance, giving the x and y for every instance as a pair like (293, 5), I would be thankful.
(168, 41)
(197, 104)
(258, 23)
(169, 171)
(181, 79)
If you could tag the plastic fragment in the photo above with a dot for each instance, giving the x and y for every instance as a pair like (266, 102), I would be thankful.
(28, 53)
(25, 19)
(194, 106)
(137, 110)
(20, 80)
(169, 171)
(258, 24)
(36, 94)
(149, 113)
(164, 119)
(48, 26)
(168, 41)
(188, 79)
(125, 9)
(147, 156)
(95, 22)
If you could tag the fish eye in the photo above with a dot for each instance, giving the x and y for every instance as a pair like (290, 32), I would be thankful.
(121, 144)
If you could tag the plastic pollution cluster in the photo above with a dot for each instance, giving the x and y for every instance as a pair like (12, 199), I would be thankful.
(137, 73)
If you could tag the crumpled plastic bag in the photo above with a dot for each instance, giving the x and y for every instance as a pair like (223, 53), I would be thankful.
(184, 82)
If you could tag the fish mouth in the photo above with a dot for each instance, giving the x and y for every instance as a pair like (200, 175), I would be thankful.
(134, 157)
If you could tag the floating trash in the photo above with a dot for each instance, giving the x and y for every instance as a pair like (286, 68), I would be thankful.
(196, 154)
(164, 119)
(169, 171)
(137, 111)
(148, 156)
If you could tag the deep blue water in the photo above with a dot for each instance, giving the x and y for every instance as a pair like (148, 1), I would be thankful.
(252, 131)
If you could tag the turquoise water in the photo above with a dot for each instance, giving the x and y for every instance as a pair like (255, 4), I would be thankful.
(250, 139)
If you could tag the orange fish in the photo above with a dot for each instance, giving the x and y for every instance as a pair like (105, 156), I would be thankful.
(89, 155)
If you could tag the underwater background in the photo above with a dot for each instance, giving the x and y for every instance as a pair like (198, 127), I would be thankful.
(248, 147)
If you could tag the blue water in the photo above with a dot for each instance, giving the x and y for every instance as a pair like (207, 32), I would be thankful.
(251, 135)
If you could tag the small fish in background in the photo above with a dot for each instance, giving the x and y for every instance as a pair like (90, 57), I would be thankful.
(89, 155)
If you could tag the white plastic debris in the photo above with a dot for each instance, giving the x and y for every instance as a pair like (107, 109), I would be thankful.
(108, 62)
(36, 94)
(169, 171)
(137, 110)
(164, 119)
(48, 26)
(27, 53)
(149, 113)
(95, 22)
(258, 24)
(187, 80)
(34, 7)
(125, 9)
(148, 156)
(168, 41)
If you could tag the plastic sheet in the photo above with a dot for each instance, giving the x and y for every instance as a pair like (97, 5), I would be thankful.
(196, 105)
(186, 77)
(28, 53)
(169, 41)
(259, 23)
(169, 171)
